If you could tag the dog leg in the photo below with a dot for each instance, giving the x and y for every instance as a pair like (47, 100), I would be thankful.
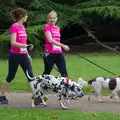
(44, 103)
(33, 105)
(96, 91)
(115, 95)
(118, 95)
(60, 101)
(98, 95)
(90, 94)
(62, 104)
(98, 98)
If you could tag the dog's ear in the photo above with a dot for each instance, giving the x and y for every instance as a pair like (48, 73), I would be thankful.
(72, 87)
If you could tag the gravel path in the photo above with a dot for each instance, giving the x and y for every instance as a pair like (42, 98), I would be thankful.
(23, 100)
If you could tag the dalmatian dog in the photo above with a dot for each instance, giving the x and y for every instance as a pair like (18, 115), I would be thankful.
(60, 85)
(112, 84)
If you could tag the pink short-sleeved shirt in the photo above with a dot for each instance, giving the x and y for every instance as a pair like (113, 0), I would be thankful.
(21, 37)
(55, 32)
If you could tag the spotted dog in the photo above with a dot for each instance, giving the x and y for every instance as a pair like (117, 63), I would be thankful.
(113, 84)
(60, 85)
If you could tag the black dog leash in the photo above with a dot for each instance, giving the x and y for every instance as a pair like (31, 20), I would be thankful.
(97, 65)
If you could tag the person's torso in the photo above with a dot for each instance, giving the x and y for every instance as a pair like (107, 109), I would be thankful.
(21, 37)
(55, 32)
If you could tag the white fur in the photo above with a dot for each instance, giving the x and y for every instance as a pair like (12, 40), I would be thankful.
(82, 82)
(100, 83)
(52, 82)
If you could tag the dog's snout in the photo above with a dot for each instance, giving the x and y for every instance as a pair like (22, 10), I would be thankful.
(81, 94)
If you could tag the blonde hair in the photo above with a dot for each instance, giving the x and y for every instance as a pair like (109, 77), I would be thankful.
(52, 13)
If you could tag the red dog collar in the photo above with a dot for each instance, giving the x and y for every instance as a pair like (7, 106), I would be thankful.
(67, 80)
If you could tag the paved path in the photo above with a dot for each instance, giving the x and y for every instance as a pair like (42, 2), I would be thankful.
(23, 100)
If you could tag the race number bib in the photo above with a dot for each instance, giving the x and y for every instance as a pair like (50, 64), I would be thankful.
(23, 49)
(56, 47)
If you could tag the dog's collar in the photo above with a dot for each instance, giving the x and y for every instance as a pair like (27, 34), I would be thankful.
(67, 80)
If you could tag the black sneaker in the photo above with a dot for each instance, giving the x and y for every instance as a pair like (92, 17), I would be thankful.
(4, 100)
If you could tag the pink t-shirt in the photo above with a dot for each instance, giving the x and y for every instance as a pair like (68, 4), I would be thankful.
(55, 32)
(21, 37)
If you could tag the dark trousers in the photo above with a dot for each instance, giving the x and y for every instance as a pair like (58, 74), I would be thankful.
(14, 61)
(51, 59)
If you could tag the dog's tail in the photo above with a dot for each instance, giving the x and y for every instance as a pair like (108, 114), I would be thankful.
(82, 82)
(29, 76)
(91, 81)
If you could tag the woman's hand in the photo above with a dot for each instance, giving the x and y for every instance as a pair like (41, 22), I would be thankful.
(66, 47)
(30, 47)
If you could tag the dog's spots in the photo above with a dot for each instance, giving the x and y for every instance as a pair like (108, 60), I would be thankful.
(37, 92)
(56, 84)
(112, 84)
(72, 88)
(35, 86)
(38, 79)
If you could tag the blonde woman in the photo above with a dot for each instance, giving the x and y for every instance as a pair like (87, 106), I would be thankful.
(53, 47)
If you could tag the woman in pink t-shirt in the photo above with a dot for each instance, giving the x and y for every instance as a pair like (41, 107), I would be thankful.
(53, 47)
(18, 52)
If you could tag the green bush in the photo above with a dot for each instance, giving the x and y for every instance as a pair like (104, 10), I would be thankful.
(35, 34)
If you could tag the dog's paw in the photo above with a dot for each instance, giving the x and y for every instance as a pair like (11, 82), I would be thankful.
(111, 97)
(44, 104)
(114, 97)
(33, 106)
(65, 108)
(68, 101)
(101, 101)
(62, 105)
(89, 98)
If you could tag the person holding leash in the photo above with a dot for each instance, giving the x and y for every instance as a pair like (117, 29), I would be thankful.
(18, 52)
(53, 47)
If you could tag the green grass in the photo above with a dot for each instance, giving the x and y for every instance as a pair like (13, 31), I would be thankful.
(76, 67)
(44, 114)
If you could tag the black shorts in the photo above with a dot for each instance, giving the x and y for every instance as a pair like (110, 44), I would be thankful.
(14, 61)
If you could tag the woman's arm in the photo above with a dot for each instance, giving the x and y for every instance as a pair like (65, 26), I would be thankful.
(49, 38)
(14, 43)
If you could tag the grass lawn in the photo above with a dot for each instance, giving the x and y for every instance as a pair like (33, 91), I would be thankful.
(76, 67)
(44, 114)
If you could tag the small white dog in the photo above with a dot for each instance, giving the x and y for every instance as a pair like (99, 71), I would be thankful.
(60, 85)
(113, 84)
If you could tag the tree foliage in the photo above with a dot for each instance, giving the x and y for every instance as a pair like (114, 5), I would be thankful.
(79, 11)
(76, 12)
